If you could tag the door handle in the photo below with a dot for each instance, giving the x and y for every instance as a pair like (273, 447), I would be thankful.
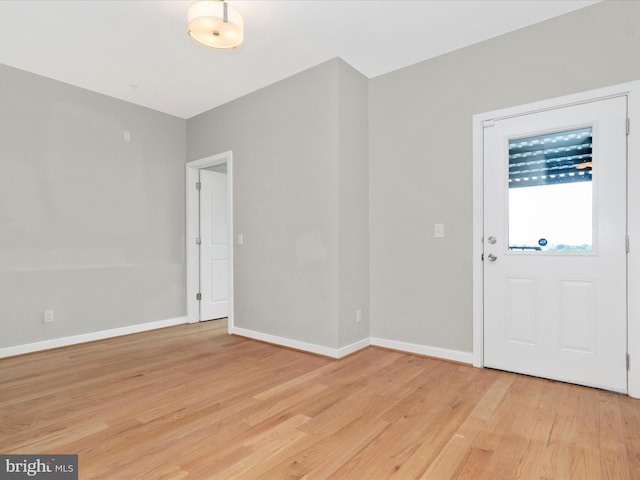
(492, 257)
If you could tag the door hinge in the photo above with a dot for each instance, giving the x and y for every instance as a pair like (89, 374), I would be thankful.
(626, 243)
(198, 186)
(198, 296)
(628, 361)
(482, 257)
(198, 241)
(628, 125)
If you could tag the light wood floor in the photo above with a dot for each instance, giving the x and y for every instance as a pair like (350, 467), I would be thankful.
(193, 402)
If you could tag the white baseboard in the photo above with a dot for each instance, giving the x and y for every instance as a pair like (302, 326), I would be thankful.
(354, 347)
(436, 352)
(89, 337)
(298, 345)
(454, 355)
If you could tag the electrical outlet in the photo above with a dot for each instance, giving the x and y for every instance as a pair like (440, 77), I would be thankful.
(48, 316)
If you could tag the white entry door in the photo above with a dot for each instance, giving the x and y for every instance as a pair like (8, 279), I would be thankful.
(555, 209)
(214, 245)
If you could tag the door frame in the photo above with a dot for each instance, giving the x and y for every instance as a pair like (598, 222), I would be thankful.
(632, 91)
(192, 175)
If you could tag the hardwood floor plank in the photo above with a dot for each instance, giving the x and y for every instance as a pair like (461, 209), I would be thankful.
(611, 439)
(191, 402)
(428, 416)
(283, 403)
(630, 433)
(319, 457)
(452, 457)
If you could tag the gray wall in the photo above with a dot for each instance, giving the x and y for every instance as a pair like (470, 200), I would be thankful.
(353, 216)
(287, 143)
(91, 227)
(421, 159)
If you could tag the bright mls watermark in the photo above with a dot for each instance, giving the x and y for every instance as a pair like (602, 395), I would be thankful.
(51, 467)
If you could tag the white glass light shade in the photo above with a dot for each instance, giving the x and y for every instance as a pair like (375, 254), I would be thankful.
(207, 24)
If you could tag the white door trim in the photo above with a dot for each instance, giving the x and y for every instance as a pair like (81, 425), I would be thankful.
(632, 90)
(192, 228)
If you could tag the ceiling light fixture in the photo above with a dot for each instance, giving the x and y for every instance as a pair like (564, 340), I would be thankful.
(215, 24)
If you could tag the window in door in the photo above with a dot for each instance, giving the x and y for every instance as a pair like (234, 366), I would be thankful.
(550, 192)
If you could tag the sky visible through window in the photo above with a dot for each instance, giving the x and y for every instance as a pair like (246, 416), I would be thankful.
(551, 217)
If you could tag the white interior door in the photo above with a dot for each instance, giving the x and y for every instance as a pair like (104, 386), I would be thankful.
(555, 206)
(214, 248)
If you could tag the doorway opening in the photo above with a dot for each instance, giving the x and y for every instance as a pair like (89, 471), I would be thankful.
(209, 238)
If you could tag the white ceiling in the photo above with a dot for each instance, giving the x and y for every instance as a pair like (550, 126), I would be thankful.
(109, 45)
